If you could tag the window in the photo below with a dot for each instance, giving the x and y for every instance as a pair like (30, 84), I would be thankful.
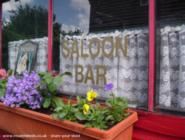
(171, 55)
(71, 18)
(123, 57)
(92, 23)
(23, 21)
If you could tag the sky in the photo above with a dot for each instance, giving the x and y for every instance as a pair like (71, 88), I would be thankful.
(71, 13)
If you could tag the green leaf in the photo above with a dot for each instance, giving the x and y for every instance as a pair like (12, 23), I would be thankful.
(47, 102)
(47, 78)
(57, 101)
(52, 88)
(78, 99)
(62, 115)
(80, 116)
(44, 75)
(2, 92)
(88, 125)
(109, 117)
(10, 72)
(55, 115)
(58, 81)
(41, 74)
(58, 109)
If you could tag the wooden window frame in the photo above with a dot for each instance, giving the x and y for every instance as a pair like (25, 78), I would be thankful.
(151, 65)
(50, 35)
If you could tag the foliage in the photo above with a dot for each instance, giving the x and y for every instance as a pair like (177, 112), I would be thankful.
(115, 112)
(48, 87)
(2, 87)
(65, 111)
(93, 114)
(28, 22)
(70, 33)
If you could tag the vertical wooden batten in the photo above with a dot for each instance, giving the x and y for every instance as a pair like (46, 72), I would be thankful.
(151, 69)
(50, 34)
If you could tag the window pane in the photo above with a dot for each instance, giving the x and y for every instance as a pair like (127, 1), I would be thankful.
(71, 17)
(113, 48)
(22, 21)
(170, 55)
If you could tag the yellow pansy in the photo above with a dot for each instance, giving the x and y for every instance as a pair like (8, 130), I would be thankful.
(91, 95)
(86, 108)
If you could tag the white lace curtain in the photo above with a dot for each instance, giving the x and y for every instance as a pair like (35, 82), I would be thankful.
(128, 74)
(172, 67)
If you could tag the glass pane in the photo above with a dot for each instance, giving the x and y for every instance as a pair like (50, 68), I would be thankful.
(170, 55)
(71, 17)
(25, 23)
(104, 42)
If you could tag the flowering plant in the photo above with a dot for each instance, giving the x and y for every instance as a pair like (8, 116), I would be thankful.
(92, 114)
(21, 91)
(31, 90)
(48, 87)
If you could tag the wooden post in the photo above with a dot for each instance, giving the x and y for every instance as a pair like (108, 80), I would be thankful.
(151, 73)
(50, 34)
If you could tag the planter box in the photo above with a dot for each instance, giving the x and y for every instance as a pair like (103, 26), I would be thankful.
(38, 126)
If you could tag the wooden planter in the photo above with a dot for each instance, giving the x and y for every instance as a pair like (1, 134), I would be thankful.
(37, 126)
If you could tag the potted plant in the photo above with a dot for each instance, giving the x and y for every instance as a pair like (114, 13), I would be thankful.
(31, 109)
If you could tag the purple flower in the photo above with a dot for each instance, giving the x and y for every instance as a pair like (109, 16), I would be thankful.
(22, 91)
(108, 87)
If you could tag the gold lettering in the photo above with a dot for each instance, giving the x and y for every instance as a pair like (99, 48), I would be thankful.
(75, 49)
(79, 72)
(110, 40)
(118, 45)
(65, 49)
(83, 55)
(101, 74)
(89, 75)
(95, 41)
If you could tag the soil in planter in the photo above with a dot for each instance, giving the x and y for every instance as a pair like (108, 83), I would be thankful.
(44, 111)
